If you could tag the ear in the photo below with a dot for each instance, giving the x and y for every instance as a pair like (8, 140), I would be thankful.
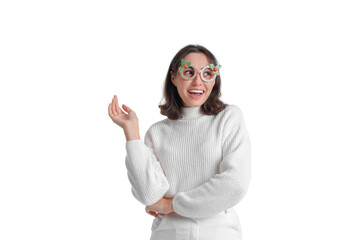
(172, 77)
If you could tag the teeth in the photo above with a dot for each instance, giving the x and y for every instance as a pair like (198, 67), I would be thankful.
(196, 91)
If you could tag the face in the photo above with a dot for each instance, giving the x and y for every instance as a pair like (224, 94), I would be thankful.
(199, 60)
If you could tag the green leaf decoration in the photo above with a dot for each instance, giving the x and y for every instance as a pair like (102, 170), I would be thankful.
(182, 61)
(218, 67)
(212, 66)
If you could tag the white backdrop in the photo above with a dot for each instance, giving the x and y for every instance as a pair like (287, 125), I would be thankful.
(291, 66)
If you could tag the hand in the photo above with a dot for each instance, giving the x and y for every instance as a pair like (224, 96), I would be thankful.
(119, 117)
(161, 207)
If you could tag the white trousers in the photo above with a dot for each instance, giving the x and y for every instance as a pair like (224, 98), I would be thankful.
(224, 226)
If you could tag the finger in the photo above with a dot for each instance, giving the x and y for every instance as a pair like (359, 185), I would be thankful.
(113, 106)
(152, 213)
(117, 106)
(110, 111)
(127, 109)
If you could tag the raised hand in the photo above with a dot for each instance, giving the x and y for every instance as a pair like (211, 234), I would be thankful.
(128, 121)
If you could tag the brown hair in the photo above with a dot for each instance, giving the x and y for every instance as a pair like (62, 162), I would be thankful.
(173, 102)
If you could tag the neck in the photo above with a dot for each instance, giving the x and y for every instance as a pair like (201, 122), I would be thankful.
(191, 112)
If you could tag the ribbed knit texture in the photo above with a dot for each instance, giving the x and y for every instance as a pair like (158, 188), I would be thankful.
(201, 161)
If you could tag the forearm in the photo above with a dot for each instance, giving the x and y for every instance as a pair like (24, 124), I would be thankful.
(148, 180)
(210, 198)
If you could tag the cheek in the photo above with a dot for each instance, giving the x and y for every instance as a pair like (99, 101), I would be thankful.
(209, 89)
(182, 85)
(181, 88)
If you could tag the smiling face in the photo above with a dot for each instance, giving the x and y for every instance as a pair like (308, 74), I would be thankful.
(199, 60)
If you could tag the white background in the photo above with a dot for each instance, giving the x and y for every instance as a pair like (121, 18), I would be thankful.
(291, 66)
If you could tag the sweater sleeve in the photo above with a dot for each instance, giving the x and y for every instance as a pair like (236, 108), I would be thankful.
(147, 178)
(228, 187)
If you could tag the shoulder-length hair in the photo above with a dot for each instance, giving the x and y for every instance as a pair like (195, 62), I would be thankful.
(173, 102)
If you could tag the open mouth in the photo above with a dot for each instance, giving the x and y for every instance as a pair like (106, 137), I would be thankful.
(196, 93)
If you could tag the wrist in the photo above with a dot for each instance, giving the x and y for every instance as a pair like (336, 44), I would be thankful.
(131, 134)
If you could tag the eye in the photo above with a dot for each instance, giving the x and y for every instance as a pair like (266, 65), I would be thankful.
(188, 72)
(207, 72)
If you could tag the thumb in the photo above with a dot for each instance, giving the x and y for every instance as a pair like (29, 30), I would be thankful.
(127, 108)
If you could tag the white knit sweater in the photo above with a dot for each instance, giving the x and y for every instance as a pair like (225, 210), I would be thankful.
(201, 161)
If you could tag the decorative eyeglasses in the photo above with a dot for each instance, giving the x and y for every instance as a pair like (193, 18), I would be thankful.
(207, 73)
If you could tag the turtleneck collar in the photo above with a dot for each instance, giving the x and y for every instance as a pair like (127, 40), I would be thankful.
(191, 112)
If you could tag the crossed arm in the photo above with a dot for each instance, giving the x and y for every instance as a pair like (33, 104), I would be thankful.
(224, 190)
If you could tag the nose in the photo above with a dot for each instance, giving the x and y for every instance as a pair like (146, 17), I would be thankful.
(197, 81)
(198, 76)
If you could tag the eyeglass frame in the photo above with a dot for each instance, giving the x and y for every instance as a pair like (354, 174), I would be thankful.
(201, 71)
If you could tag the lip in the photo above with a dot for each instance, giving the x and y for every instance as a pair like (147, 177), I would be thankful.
(196, 97)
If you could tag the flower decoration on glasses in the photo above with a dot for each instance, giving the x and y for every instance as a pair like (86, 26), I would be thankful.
(215, 68)
(184, 65)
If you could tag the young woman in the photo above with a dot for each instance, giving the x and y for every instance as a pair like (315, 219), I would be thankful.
(194, 166)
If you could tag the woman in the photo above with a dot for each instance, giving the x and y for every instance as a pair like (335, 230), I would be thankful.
(193, 166)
